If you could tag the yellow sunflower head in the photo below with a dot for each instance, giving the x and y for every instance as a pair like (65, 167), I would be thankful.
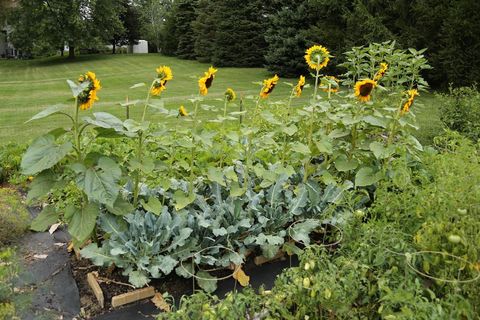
(329, 84)
(268, 86)
(164, 74)
(89, 95)
(205, 82)
(317, 57)
(299, 87)
(364, 88)
(182, 111)
(230, 95)
(381, 72)
(412, 93)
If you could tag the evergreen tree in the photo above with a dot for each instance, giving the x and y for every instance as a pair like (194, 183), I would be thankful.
(239, 36)
(204, 28)
(184, 16)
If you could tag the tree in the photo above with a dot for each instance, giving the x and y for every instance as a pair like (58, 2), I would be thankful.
(184, 16)
(204, 29)
(58, 22)
(131, 26)
(154, 14)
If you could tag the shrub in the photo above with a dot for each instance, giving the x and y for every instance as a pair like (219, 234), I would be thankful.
(10, 158)
(460, 111)
(8, 270)
(13, 215)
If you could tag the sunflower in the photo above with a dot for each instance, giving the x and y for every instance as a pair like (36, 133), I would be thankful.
(299, 87)
(268, 86)
(89, 95)
(412, 93)
(381, 72)
(230, 95)
(363, 89)
(182, 111)
(205, 82)
(329, 84)
(317, 57)
(164, 74)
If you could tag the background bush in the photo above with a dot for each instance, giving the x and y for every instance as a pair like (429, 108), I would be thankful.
(460, 111)
(10, 158)
(14, 217)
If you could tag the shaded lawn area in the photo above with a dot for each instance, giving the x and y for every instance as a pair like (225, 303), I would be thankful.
(27, 87)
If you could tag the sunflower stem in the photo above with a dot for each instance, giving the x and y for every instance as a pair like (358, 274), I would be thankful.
(136, 186)
(223, 130)
(284, 151)
(312, 121)
(76, 132)
(193, 149)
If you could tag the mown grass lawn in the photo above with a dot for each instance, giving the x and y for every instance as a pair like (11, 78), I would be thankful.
(27, 87)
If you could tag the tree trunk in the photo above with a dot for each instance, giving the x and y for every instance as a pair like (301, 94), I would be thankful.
(113, 47)
(71, 52)
(61, 52)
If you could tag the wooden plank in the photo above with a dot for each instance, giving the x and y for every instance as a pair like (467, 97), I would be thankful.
(133, 296)
(97, 291)
(261, 259)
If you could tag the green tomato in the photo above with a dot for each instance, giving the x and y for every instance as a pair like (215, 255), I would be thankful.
(306, 282)
(453, 238)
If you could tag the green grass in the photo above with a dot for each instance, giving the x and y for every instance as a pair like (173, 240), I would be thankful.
(27, 87)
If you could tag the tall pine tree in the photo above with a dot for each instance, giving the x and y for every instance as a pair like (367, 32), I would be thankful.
(184, 16)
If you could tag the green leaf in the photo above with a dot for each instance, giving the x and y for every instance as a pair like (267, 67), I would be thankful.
(179, 240)
(297, 205)
(106, 120)
(100, 182)
(138, 85)
(366, 176)
(135, 126)
(206, 281)
(324, 145)
(77, 88)
(380, 151)
(216, 175)
(43, 154)
(83, 222)
(291, 249)
(300, 232)
(182, 200)
(41, 185)
(121, 207)
(236, 190)
(300, 148)
(97, 255)
(166, 264)
(290, 130)
(270, 118)
(343, 164)
(45, 219)
(153, 205)
(375, 121)
(147, 165)
(138, 279)
(185, 269)
(47, 112)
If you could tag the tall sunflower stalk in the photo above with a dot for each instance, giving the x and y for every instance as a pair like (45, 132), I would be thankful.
(158, 85)
(296, 92)
(230, 96)
(312, 121)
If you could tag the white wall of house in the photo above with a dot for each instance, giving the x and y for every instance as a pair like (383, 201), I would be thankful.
(141, 47)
